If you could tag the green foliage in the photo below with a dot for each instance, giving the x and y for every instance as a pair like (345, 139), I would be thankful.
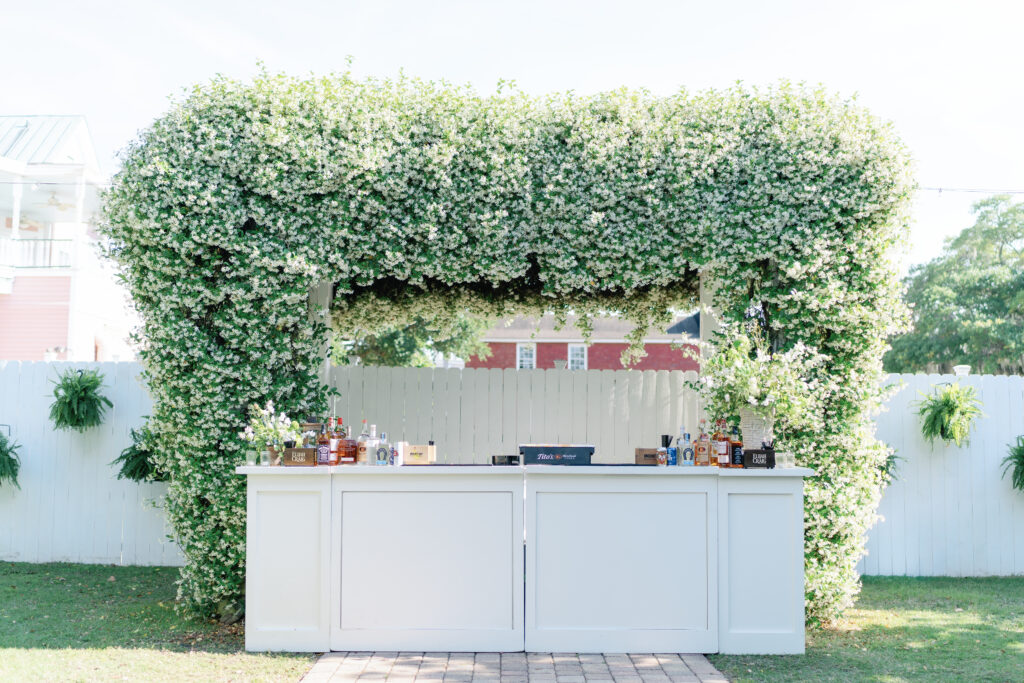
(417, 200)
(411, 344)
(949, 413)
(1013, 464)
(741, 371)
(267, 427)
(10, 463)
(969, 302)
(78, 403)
(136, 461)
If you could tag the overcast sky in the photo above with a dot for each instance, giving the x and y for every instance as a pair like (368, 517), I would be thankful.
(948, 74)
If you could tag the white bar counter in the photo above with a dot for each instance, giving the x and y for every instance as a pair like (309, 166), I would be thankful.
(538, 558)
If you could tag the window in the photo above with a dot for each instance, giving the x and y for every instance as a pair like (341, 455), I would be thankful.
(577, 356)
(526, 356)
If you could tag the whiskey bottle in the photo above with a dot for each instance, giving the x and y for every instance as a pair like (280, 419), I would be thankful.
(336, 434)
(736, 449)
(347, 449)
(702, 451)
(720, 444)
(323, 447)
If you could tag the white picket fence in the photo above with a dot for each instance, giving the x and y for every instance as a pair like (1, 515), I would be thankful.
(476, 413)
(71, 507)
(948, 513)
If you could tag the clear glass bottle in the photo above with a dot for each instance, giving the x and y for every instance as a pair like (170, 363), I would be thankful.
(383, 450)
(686, 452)
(363, 456)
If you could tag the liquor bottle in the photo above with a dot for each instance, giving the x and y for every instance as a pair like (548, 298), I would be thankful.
(347, 450)
(337, 434)
(735, 449)
(323, 447)
(720, 444)
(362, 447)
(371, 446)
(702, 452)
(383, 450)
(686, 451)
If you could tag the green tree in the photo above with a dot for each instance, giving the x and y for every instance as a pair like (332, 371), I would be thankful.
(968, 303)
(411, 344)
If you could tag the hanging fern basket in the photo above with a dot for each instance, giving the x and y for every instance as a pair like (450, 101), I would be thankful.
(10, 463)
(949, 413)
(78, 403)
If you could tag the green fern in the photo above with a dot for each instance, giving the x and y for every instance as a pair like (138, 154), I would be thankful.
(949, 413)
(1013, 464)
(10, 463)
(78, 403)
(136, 460)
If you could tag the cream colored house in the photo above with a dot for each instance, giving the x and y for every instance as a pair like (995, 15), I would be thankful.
(58, 298)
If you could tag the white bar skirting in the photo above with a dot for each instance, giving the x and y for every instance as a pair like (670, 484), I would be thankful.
(536, 558)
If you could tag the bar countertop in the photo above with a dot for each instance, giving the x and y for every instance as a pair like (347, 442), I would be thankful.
(558, 470)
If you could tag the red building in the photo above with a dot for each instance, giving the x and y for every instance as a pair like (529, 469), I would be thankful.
(527, 343)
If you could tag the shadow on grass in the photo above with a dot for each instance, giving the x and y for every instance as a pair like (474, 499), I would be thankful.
(906, 629)
(58, 606)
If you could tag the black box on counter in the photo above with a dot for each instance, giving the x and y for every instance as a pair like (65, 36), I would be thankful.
(755, 458)
(555, 454)
(504, 459)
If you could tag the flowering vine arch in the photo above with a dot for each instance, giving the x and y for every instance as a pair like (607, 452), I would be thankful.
(405, 197)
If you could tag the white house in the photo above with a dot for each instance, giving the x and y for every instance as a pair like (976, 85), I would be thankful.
(58, 298)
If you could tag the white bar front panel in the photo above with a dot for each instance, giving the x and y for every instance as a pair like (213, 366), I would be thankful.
(288, 564)
(428, 562)
(621, 563)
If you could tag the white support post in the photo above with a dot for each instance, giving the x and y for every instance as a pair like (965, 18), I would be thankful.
(708, 322)
(320, 305)
(16, 190)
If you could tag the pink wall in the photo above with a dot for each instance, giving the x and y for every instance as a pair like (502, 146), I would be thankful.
(34, 317)
(602, 356)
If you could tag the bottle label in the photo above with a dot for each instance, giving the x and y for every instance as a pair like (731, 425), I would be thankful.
(323, 454)
(722, 451)
(687, 456)
(737, 455)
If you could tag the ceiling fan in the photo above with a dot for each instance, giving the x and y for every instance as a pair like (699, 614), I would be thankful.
(56, 203)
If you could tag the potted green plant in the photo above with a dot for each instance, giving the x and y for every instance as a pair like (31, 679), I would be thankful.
(78, 403)
(949, 413)
(10, 463)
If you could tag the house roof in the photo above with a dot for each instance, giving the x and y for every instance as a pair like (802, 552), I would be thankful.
(46, 140)
(605, 329)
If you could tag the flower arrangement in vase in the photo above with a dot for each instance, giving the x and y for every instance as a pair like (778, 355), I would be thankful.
(768, 392)
(270, 431)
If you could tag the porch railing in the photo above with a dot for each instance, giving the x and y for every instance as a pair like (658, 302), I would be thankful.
(36, 253)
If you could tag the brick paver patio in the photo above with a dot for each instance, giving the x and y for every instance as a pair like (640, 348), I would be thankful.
(517, 667)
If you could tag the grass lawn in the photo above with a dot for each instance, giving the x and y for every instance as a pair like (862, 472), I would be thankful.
(905, 629)
(74, 622)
